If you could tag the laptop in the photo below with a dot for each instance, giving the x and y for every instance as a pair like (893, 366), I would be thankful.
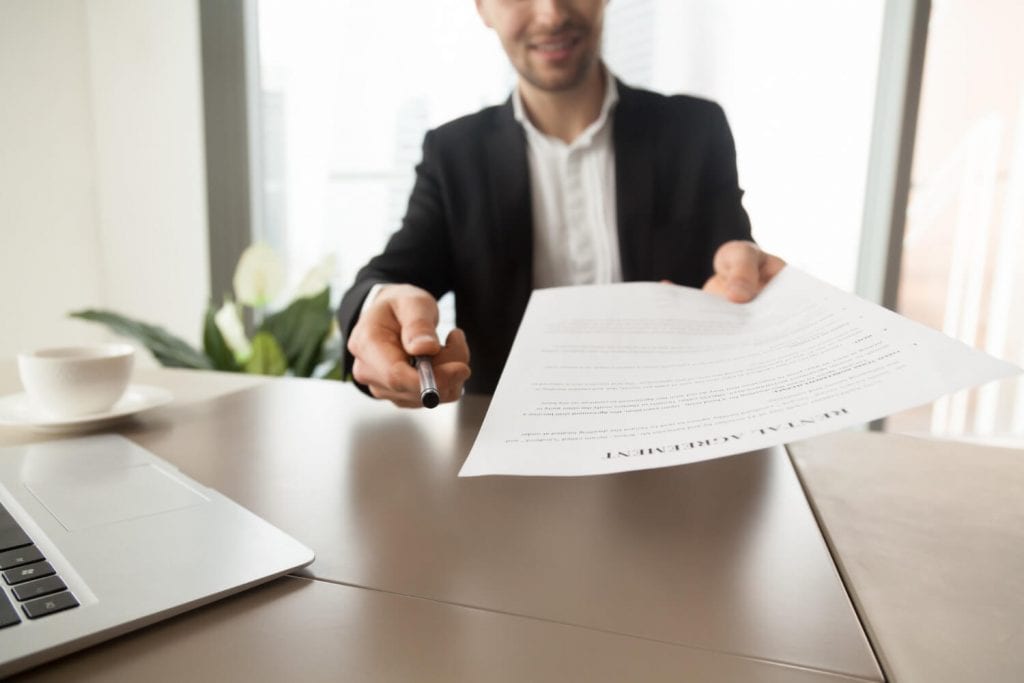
(98, 537)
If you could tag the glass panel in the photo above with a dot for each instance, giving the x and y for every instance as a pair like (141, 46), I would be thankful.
(797, 80)
(349, 87)
(965, 220)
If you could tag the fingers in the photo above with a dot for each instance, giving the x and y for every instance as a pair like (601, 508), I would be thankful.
(416, 312)
(737, 264)
(400, 323)
(451, 370)
(771, 267)
(383, 366)
(742, 270)
(400, 399)
(451, 366)
(377, 341)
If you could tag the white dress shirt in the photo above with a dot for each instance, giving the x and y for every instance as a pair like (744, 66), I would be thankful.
(572, 185)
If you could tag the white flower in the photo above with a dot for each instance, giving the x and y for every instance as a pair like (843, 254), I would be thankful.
(259, 276)
(318, 278)
(230, 325)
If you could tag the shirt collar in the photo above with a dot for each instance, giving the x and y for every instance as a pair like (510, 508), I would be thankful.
(611, 97)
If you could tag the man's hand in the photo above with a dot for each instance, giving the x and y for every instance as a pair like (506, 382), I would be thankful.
(741, 271)
(401, 323)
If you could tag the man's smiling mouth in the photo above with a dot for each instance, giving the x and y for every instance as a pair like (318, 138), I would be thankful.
(555, 45)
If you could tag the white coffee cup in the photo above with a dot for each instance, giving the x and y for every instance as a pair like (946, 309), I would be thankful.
(74, 381)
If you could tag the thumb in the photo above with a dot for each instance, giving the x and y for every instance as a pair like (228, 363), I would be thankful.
(417, 318)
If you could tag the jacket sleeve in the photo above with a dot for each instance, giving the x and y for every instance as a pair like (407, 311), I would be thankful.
(418, 253)
(724, 215)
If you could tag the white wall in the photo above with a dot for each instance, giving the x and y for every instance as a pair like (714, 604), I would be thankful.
(102, 186)
(48, 230)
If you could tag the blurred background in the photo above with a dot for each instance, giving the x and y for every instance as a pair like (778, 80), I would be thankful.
(145, 143)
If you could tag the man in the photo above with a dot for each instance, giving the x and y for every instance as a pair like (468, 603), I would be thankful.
(576, 179)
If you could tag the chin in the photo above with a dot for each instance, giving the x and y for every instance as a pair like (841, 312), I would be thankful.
(556, 84)
(557, 81)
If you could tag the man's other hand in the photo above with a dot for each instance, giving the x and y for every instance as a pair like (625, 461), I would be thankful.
(401, 322)
(741, 271)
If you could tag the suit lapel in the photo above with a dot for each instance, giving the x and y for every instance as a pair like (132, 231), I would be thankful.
(512, 210)
(634, 183)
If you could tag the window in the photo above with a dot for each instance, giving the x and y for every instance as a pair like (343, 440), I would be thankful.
(348, 89)
(965, 220)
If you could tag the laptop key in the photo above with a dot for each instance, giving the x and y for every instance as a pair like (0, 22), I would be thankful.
(20, 556)
(40, 607)
(11, 534)
(38, 588)
(28, 572)
(8, 616)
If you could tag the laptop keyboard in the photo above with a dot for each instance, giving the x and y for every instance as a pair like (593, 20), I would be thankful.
(34, 583)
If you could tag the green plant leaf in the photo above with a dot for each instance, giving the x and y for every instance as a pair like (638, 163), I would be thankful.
(169, 350)
(331, 364)
(301, 329)
(267, 357)
(330, 371)
(216, 348)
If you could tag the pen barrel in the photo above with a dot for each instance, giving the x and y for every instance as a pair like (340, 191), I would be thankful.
(428, 385)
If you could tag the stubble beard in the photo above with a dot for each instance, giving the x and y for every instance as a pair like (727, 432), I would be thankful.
(587, 62)
(563, 84)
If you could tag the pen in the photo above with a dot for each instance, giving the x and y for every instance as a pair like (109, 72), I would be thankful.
(428, 385)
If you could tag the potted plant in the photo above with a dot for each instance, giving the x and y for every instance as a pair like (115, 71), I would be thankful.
(301, 339)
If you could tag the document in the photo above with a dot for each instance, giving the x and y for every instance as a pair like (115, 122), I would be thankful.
(609, 378)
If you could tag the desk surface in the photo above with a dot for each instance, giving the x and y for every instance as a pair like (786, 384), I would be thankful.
(719, 558)
(930, 537)
(299, 630)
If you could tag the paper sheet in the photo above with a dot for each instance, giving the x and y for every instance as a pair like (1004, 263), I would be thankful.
(608, 378)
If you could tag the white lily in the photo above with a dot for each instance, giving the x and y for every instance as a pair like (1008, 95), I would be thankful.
(229, 322)
(259, 276)
(318, 277)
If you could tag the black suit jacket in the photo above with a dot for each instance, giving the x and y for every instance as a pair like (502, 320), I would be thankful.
(469, 225)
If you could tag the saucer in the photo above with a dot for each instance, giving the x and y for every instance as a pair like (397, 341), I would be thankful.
(19, 410)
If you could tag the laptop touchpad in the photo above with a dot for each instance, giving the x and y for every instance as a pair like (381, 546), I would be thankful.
(112, 495)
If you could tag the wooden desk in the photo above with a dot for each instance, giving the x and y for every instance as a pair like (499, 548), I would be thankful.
(712, 565)
(300, 630)
(930, 539)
